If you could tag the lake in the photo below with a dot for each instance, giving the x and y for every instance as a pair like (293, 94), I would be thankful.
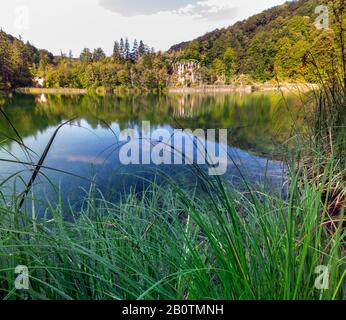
(88, 148)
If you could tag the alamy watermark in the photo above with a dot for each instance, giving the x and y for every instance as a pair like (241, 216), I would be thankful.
(22, 17)
(162, 146)
(322, 280)
(322, 21)
(22, 280)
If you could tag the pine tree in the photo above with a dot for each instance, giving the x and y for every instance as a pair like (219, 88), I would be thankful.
(127, 49)
(122, 48)
(117, 56)
(141, 49)
(134, 53)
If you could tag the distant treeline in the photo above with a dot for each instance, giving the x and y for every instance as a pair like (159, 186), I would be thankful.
(280, 43)
(136, 66)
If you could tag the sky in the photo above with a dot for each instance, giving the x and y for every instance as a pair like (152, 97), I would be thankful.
(63, 25)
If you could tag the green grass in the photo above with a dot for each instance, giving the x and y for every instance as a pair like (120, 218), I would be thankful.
(167, 243)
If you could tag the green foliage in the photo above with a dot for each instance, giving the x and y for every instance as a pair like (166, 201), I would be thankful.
(282, 42)
(229, 59)
(126, 68)
(274, 43)
(86, 56)
(15, 61)
(19, 62)
(260, 57)
(98, 55)
(222, 70)
(218, 70)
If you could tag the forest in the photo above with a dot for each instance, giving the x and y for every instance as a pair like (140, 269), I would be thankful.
(282, 43)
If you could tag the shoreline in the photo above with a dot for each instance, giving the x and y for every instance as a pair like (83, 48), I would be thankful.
(284, 87)
(212, 89)
(30, 90)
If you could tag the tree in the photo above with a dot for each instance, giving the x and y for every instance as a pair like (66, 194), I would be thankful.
(218, 68)
(127, 49)
(134, 53)
(86, 56)
(229, 60)
(192, 51)
(98, 54)
(141, 49)
(124, 78)
(16, 62)
(122, 48)
(260, 57)
(117, 56)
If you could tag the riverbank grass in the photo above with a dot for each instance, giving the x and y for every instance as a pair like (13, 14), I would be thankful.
(167, 243)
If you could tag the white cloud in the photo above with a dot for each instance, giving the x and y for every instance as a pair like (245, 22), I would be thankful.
(74, 24)
(205, 9)
(210, 10)
(141, 7)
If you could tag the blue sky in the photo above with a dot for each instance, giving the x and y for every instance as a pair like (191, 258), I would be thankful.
(74, 24)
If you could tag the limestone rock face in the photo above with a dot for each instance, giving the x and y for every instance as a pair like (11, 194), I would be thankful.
(38, 82)
(186, 72)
